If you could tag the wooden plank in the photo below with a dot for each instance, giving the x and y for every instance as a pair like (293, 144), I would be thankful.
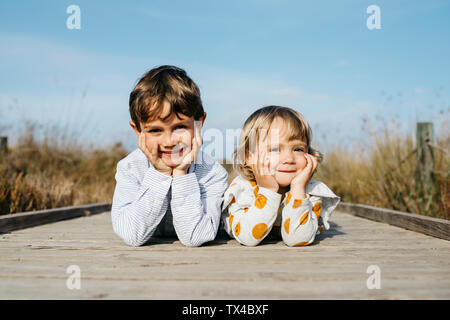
(223, 290)
(434, 227)
(413, 265)
(16, 221)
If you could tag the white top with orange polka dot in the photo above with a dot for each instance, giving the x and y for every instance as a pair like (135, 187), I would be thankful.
(253, 211)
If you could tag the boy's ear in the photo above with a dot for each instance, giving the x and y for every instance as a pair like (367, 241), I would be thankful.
(203, 118)
(133, 125)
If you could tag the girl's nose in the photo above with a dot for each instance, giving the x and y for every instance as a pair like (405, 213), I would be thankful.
(287, 158)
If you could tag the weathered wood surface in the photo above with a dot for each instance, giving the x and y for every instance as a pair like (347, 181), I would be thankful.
(435, 227)
(34, 261)
(17, 221)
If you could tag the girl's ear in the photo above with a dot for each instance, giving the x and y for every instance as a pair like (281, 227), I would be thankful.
(249, 157)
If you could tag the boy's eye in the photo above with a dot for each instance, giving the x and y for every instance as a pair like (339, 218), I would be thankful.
(299, 150)
(274, 149)
(180, 127)
(153, 130)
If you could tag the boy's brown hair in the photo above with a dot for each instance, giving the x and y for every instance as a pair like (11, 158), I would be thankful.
(165, 83)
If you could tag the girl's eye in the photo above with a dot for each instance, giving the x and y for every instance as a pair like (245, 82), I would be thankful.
(180, 127)
(299, 150)
(274, 149)
(154, 130)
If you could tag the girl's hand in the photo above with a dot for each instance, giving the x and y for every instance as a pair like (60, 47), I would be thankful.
(152, 155)
(264, 174)
(187, 160)
(298, 184)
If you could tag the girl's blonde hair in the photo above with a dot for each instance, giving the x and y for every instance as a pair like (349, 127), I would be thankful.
(259, 123)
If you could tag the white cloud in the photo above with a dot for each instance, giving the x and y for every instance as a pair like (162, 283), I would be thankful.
(50, 79)
(343, 62)
(288, 91)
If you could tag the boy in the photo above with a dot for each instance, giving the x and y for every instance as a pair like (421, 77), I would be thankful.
(167, 186)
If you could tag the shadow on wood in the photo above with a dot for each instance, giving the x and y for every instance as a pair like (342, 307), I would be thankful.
(222, 238)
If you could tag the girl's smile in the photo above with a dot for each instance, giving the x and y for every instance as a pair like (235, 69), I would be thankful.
(287, 171)
(287, 156)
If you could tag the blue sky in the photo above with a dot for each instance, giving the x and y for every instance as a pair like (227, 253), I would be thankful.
(317, 57)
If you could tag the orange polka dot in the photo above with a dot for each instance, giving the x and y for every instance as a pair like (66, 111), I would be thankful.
(237, 229)
(316, 209)
(297, 203)
(286, 225)
(233, 201)
(245, 209)
(259, 230)
(234, 183)
(253, 183)
(255, 191)
(288, 198)
(260, 201)
(301, 244)
(304, 218)
(231, 220)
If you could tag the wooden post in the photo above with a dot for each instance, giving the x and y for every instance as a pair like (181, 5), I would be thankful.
(425, 159)
(3, 146)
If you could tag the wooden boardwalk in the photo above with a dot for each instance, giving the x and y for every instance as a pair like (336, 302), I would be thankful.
(34, 261)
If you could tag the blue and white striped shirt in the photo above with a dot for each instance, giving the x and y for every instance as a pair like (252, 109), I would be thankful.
(147, 202)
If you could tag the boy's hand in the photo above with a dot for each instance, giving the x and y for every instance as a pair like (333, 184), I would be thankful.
(187, 160)
(264, 174)
(298, 184)
(152, 156)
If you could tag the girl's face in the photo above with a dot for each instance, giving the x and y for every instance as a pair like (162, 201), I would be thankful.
(286, 157)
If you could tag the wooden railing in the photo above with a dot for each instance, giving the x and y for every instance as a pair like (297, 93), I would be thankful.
(3, 146)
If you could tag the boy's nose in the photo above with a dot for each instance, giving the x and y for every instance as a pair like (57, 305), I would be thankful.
(169, 140)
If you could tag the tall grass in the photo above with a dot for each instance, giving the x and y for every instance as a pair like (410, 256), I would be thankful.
(54, 172)
(59, 171)
(382, 173)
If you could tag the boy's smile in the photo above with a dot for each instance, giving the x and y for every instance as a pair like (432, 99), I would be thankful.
(173, 136)
(174, 153)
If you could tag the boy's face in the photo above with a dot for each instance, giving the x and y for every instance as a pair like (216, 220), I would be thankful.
(172, 137)
(286, 157)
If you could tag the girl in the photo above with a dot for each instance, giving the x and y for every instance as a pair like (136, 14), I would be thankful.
(274, 190)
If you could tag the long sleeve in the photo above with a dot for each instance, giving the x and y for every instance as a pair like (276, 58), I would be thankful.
(196, 208)
(300, 220)
(250, 224)
(138, 207)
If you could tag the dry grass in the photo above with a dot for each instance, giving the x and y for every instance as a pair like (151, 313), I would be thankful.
(54, 173)
(59, 172)
(382, 173)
